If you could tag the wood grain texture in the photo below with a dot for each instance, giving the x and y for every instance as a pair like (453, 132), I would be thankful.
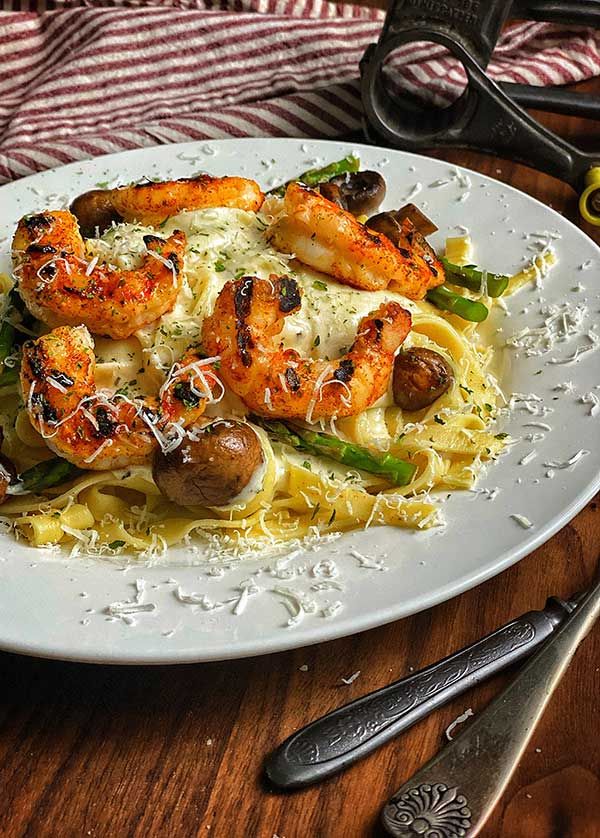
(177, 751)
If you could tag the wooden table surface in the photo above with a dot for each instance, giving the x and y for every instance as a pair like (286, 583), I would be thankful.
(177, 751)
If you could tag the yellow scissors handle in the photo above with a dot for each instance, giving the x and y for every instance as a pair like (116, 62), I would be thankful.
(589, 200)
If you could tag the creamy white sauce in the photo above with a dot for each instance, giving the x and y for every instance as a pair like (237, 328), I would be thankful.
(225, 243)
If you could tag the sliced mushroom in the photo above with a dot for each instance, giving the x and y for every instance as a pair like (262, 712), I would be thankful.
(420, 377)
(391, 223)
(211, 467)
(94, 211)
(333, 193)
(404, 236)
(422, 223)
(360, 192)
(385, 222)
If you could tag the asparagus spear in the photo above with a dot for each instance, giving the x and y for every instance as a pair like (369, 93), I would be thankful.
(315, 176)
(7, 339)
(470, 277)
(9, 376)
(399, 472)
(10, 337)
(7, 329)
(447, 300)
(49, 473)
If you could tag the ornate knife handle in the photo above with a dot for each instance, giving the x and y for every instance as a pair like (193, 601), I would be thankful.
(340, 738)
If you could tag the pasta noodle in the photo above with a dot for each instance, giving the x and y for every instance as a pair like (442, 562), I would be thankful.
(299, 495)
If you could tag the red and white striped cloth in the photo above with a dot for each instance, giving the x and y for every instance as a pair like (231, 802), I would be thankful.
(79, 79)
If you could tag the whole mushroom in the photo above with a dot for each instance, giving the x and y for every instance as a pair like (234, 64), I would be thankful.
(420, 377)
(94, 211)
(212, 466)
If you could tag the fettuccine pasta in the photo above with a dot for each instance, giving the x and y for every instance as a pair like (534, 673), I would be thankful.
(296, 493)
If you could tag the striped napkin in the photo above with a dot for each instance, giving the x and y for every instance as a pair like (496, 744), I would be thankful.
(82, 78)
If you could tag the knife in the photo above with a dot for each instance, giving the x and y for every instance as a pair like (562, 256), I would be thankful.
(340, 738)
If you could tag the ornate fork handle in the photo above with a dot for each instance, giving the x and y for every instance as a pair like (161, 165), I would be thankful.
(340, 738)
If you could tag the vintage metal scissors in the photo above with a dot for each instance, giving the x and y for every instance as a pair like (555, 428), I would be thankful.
(487, 116)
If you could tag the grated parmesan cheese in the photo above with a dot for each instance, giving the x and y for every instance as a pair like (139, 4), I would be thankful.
(594, 400)
(332, 609)
(459, 720)
(522, 521)
(368, 561)
(572, 461)
(351, 678)
(527, 458)
(579, 350)
(127, 610)
(562, 321)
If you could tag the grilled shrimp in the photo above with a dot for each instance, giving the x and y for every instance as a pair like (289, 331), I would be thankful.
(98, 431)
(59, 287)
(326, 237)
(151, 203)
(244, 330)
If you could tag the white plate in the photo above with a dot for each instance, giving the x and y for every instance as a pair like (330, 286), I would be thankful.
(54, 607)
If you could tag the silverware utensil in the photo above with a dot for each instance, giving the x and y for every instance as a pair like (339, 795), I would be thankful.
(349, 733)
(454, 794)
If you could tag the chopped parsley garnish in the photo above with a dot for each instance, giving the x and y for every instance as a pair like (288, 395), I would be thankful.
(318, 283)
(114, 545)
(219, 266)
